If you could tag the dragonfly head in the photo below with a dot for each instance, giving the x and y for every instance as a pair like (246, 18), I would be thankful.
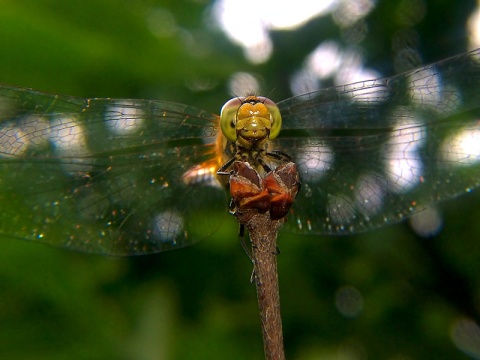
(250, 120)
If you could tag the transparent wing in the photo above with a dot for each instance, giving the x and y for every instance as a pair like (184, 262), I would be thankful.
(134, 176)
(375, 152)
(104, 175)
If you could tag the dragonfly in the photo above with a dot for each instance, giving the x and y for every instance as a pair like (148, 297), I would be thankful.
(133, 177)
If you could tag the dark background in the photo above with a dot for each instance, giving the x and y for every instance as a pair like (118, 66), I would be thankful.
(196, 303)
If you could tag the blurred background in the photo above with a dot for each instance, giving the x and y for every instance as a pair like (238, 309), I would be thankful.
(387, 294)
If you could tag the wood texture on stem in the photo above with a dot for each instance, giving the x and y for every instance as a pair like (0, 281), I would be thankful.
(263, 235)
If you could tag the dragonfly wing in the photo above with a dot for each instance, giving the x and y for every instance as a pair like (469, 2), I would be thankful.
(379, 151)
(105, 175)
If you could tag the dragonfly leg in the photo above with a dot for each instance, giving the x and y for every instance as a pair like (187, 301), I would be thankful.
(248, 251)
(223, 169)
(265, 167)
(279, 155)
(253, 277)
(232, 207)
(245, 247)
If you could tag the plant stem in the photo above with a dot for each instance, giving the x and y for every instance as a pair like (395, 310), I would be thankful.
(263, 235)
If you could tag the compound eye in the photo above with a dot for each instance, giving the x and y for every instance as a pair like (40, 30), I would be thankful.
(276, 117)
(228, 118)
